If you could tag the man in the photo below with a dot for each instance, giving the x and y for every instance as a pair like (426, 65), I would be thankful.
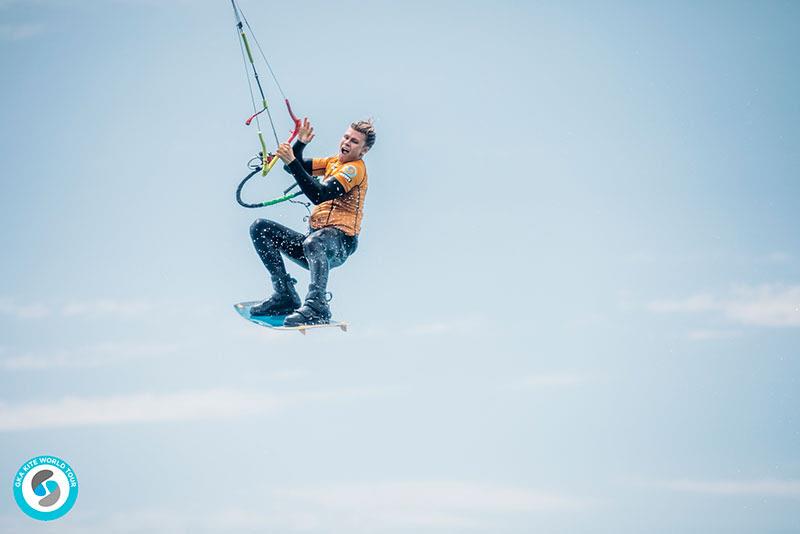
(334, 225)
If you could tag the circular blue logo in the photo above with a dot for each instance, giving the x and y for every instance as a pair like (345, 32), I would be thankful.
(45, 487)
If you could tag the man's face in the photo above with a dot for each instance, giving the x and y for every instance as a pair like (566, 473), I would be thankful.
(352, 146)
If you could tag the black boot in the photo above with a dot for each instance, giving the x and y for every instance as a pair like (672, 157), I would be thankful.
(284, 301)
(315, 310)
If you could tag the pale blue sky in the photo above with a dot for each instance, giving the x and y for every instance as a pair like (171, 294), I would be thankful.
(575, 306)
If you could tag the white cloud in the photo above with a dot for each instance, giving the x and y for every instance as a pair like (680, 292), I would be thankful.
(94, 307)
(776, 257)
(160, 407)
(433, 327)
(123, 308)
(23, 311)
(90, 356)
(387, 506)
(287, 375)
(19, 32)
(563, 380)
(708, 334)
(766, 305)
(765, 487)
(425, 503)
(697, 303)
(457, 326)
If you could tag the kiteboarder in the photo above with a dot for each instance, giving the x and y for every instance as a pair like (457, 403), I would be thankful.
(334, 224)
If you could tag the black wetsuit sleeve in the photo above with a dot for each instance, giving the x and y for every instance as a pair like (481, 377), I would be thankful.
(297, 149)
(315, 191)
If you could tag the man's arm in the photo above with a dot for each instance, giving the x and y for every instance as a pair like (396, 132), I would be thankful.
(315, 191)
(304, 136)
(297, 149)
(301, 169)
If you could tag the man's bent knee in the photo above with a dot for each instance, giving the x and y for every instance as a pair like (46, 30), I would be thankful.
(313, 246)
(261, 228)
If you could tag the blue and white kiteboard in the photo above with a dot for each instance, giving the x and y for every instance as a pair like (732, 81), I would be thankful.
(275, 322)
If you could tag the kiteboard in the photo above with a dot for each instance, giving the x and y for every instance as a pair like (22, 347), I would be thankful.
(275, 322)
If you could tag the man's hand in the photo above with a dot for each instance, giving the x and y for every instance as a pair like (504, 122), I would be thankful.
(306, 133)
(285, 153)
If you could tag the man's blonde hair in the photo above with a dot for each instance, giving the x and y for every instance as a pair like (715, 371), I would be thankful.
(368, 129)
